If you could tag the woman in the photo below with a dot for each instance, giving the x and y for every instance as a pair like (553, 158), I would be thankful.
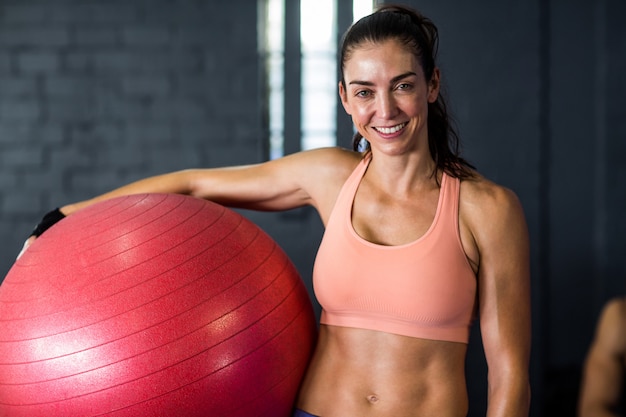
(416, 245)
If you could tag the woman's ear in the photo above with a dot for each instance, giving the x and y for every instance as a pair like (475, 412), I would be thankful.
(433, 86)
(343, 95)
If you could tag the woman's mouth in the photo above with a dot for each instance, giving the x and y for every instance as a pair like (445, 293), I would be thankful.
(390, 130)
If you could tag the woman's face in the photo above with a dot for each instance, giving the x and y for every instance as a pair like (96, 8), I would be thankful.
(387, 95)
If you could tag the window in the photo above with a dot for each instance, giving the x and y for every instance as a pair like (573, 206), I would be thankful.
(361, 8)
(317, 89)
(273, 34)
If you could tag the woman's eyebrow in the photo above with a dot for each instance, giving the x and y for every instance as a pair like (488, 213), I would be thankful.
(393, 80)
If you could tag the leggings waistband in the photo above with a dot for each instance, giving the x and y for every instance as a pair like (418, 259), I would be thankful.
(300, 413)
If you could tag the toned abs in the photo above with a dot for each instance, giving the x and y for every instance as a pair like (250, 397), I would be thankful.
(364, 373)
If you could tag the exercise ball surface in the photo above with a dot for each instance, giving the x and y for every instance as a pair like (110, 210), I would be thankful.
(153, 305)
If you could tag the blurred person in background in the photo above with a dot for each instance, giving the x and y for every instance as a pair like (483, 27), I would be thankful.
(603, 388)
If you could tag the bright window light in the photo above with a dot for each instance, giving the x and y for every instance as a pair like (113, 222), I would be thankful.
(319, 77)
(275, 62)
(318, 32)
(361, 8)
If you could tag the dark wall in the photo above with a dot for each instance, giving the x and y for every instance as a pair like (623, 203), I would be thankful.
(95, 94)
(587, 197)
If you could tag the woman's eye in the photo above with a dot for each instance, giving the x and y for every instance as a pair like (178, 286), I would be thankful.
(362, 93)
(404, 86)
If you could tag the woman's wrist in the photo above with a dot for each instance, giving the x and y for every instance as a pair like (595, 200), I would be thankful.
(49, 219)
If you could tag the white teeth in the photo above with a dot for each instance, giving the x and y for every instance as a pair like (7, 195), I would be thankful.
(389, 130)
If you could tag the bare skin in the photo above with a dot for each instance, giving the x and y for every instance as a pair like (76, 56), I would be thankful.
(605, 366)
(357, 372)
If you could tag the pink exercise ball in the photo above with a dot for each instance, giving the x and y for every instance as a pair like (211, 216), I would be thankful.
(153, 305)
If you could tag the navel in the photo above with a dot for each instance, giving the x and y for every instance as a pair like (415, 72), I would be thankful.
(372, 398)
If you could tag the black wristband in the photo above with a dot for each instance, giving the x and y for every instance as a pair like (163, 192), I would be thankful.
(49, 220)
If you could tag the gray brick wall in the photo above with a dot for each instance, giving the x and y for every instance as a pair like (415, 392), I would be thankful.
(95, 94)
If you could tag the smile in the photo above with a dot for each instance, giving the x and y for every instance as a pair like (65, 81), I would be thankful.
(390, 130)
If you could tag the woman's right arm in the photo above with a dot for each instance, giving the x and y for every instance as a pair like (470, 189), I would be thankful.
(293, 181)
(274, 185)
(252, 187)
(299, 179)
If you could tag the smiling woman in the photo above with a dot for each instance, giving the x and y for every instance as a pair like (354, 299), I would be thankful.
(417, 243)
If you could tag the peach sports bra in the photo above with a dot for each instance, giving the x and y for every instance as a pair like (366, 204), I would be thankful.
(424, 289)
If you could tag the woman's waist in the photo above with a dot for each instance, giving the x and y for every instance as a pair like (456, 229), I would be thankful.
(374, 352)
(341, 396)
(376, 374)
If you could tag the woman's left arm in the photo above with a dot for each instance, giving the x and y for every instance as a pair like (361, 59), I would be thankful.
(500, 233)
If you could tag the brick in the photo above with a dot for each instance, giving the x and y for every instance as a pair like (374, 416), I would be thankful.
(21, 204)
(33, 13)
(37, 62)
(42, 180)
(93, 181)
(71, 158)
(34, 36)
(110, 133)
(30, 133)
(193, 85)
(77, 62)
(86, 85)
(120, 158)
(150, 109)
(21, 157)
(147, 36)
(78, 12)
(63, 110)
(154, 134)
(195, 14)
(22, 86)
(23, 13)
(119, 13)
(174, 156)
(232, 155)
(113, 108)
(145, 61)
(96, 36)
(24, 110)
(200, 34)
(152, 85)
(183, 109)
(63, 86)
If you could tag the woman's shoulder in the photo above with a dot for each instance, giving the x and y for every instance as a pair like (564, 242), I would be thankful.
(323, 172)
(479, 191)
(332, 161)
(312, 166)
(485, 203)
(333, 154)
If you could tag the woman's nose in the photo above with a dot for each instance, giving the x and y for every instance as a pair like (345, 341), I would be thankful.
(387, 107)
